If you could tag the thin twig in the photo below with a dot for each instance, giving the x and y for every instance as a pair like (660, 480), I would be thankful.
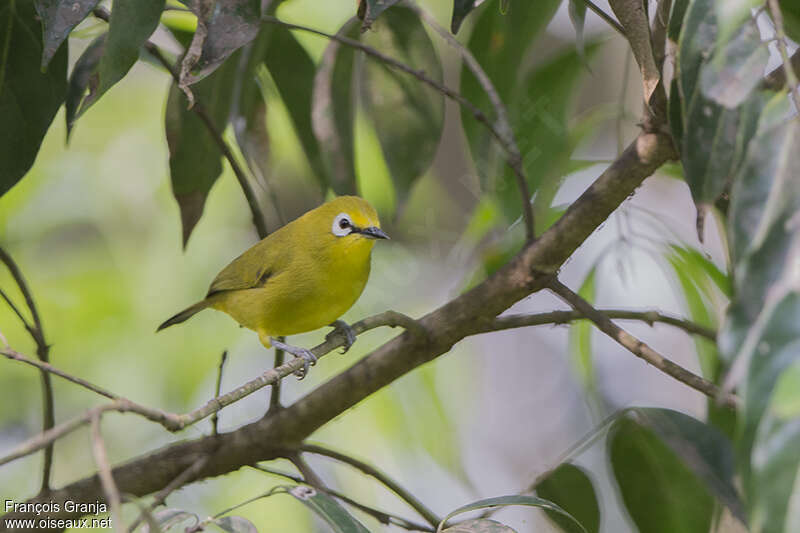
(371, 471)
(381, 516)
(514, 157)
(175, 422)
(185, 477)
(564, 317)
(514, 160)
(780, 34)
(215, 416)
(43, 352)
(104, 473)
(275, 392)
(639, 348)
(255, 209)
(605, 16)
(305, 469)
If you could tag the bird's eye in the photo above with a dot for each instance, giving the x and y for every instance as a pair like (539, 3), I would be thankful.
(342, 225)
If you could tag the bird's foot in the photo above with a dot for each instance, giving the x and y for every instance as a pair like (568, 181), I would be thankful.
(343, 328)
(309, 359)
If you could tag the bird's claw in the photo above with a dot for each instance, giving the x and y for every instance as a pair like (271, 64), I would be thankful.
(343, 328)
(309, 360)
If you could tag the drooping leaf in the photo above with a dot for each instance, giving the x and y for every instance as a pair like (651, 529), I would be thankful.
(293, 72)
(577, 15)
(791, 18)
(515, 499)
(333, 112)
(571, 488)
(235, 524)
(328, 509)
(249, 119)
(676, 17)
(762, 326)
(408, 115)
(132, 22)
(480, 525)
(58, 18)
(580, 336)
(81, 77)
(167, 518)
(372, 10)
(29, 98)
(660, 493)
(499, 43)
(714, 139)
(194, 156)
(737, 68)
(231, 25)
(461, 9)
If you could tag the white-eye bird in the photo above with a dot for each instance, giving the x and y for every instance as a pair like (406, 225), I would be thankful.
(299, 278)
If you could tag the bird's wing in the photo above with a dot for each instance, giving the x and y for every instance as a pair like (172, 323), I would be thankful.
(253, 268)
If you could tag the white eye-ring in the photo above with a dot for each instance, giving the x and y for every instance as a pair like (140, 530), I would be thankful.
(342, 225)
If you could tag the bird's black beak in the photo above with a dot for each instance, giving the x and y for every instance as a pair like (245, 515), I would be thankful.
(373, 232)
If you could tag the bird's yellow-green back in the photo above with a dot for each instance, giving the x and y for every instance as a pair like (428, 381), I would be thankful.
(301, 277)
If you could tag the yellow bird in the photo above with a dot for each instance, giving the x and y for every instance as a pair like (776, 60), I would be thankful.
(300, 278)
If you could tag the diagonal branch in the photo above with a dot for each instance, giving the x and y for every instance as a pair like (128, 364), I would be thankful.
(104, 472)
(286, 428)
(639, 348)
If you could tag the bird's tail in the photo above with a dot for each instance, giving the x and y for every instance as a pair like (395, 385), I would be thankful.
(184, 315)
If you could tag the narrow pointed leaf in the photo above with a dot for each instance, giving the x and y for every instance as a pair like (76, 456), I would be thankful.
(59, 17)
(372, 10)
(408, 115)
(235, 524)
(461, 8)
(232, 24)
(516, 499)
(82, 76)
(194, 157)
(333, 113)
(571, 488)
(132, 22)
(29, 98)
(293, 72)
(580, 337)
(577, 15)
(481, 525)
(328, 509)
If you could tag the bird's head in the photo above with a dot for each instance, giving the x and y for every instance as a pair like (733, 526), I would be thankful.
(352, 218)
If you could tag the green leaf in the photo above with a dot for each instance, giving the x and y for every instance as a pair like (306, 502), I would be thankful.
(194, 156)
(714, 139)
(737, 68)
(81, 77)
(408, 115)
(372, 10)
(660, 493)
(58, 18)
(249, 119)
(676, 19)
(461, 9)
(333, 112)
(132, 22)
(29, 98)
(763, 321)
(571, 488)
(702, 448)
(328, 509)
(235, 524)
(790, 9)
(577, 15)
(481, 525)
(232, 24)
(293, 72)
(515, 499)
(499, 43)
(580, 336)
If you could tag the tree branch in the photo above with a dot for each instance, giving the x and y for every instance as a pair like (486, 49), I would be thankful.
(104, 472)
(639, 348)
(371, 471)
(42, 351)
(286, 428)
(605, 16)
(381, 516)
(791, 77)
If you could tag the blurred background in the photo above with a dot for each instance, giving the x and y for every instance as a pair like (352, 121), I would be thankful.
(97, 234)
